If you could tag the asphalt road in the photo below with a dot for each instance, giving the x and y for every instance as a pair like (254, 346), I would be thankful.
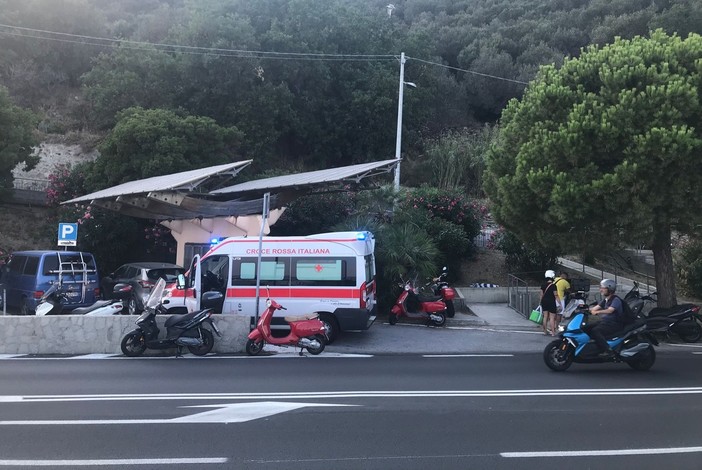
(376, 412)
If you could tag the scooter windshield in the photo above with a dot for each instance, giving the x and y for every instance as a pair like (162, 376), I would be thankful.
(156, 294)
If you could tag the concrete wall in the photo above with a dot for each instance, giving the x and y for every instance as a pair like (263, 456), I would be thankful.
(79, 334)
(483, 295)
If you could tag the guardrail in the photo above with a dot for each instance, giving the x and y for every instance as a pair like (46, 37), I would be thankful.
(31, 184)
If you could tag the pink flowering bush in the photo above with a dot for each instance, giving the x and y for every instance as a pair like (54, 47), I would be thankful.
(449, 205)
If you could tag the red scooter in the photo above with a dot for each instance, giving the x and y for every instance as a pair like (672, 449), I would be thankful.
(413, 305)
(305, 332)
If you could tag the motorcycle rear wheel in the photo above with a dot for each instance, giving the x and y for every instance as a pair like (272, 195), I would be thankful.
(643, 360)
(207, 343)
(133, 344)
(558, 355)
(253, 348)
(689, 330)
(450, 309)
(314, 351)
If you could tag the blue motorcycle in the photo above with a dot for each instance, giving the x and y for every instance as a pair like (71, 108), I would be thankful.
(632, 345)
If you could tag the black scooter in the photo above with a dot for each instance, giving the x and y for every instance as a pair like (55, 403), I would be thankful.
(181, 330)
(684, 320)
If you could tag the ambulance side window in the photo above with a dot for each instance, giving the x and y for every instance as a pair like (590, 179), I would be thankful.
(319, 271)
(274, 271)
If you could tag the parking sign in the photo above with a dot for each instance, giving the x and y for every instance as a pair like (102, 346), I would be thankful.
(67, 234)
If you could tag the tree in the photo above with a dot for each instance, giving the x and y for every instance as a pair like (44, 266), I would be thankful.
(155, 142)
(606, 150)
(16, 138)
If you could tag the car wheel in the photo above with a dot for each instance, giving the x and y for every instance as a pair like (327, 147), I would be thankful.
(133, 306)
(24, 309)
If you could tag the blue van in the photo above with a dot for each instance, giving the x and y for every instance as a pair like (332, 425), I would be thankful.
(29, 274)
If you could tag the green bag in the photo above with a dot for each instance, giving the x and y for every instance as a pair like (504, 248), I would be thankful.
(536, 315)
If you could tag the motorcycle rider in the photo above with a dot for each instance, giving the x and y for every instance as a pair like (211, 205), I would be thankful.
(612, 320)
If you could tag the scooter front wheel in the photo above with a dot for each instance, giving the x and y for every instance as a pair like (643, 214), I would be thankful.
(392, 318)
(317, 350)
(207, 343)
(558, 355)
(133, 344)
(253, 348)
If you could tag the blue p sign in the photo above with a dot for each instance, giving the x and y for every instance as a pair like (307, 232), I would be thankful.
(67, 234)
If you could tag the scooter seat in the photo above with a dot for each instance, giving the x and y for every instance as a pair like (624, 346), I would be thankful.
(309, 316)
(95, 306)
(630, 327)
(667, 312)
(175, 319)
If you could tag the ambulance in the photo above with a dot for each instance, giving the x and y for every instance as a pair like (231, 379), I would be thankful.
(331, 274)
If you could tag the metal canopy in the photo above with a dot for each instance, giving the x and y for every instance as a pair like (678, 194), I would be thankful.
(186, 180)
(180, 196)
(352, 173)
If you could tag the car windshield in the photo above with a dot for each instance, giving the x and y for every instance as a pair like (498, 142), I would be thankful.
(169, 274)
(156, 294)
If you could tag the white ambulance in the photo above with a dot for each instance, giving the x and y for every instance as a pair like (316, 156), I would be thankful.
(332, 274)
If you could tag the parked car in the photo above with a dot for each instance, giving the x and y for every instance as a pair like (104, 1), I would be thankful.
(142, 277)
(29, 274)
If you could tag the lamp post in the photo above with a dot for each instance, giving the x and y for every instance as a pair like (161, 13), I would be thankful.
(398, 141)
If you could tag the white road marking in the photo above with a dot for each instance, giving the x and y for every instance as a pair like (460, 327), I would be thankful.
(602, 453)
(95, 356)
(225, 413)
(354, 394)
(10, 356)
(684, 345)
(697, 352)
(94, 463)
(468, 355)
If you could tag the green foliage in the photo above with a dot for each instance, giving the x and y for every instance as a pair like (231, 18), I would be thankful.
(688, 266)
(604, 150)
(403, 250)
(520, 257)
(154, 142)
(455, 161)
(316, 213)
(16, 138)
(448, 205)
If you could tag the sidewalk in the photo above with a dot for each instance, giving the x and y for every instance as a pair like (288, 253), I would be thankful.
(497, 315)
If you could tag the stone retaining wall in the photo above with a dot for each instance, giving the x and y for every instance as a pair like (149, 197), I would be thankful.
(79, 334)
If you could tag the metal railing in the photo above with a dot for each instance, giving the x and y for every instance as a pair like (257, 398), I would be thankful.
(520, 296)
(31, 184)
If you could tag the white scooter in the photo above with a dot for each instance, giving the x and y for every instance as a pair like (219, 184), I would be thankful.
(51, 302)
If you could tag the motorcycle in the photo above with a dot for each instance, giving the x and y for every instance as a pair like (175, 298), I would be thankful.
(632, 345)
(305, 332)
(413, 305)
(441, 288)
(181, 330)
(53, 300)
(684, 320)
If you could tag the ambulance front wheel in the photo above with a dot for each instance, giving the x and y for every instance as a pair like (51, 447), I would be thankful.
(331, 325)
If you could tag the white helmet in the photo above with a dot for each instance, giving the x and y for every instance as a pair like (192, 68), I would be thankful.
(609, 284)
(550, 274)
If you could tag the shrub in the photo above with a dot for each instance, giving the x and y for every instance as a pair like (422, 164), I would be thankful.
(520, 257)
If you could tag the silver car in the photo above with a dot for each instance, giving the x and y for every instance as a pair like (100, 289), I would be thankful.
(142, 277)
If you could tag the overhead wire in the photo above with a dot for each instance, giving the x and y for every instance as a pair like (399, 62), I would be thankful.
(221, 52)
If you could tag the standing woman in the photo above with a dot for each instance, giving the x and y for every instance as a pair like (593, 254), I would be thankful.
(548, 302)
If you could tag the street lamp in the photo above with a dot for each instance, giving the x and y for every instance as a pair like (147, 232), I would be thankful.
(398, 142)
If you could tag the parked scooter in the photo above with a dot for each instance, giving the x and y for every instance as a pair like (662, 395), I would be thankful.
(53, 300)
(305, 332)
(684, 320)
(181, 330)
(413, 305)
(441, 288)
(632, 345)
